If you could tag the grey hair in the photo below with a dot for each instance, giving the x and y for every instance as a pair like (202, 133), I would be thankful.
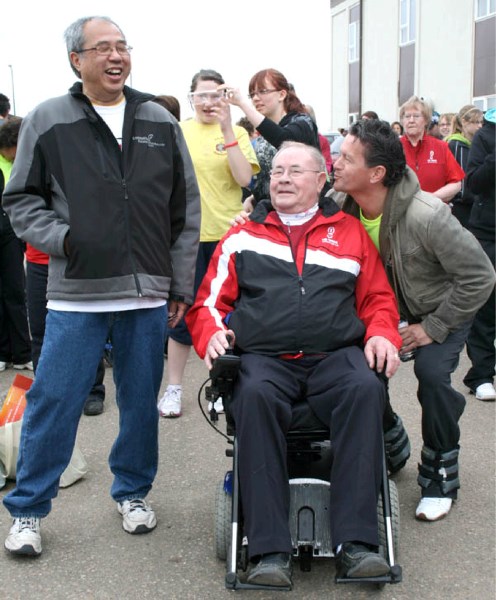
(74, 36)
(424, 108)
(314, 153)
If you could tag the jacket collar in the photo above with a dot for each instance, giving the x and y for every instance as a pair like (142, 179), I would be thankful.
(130, 94)
(265, 209)
(398, 199)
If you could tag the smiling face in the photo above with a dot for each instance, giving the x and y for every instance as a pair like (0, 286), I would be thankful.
(299, 183)
(103, 76)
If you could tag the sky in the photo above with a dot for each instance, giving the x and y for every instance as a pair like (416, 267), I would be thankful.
(171, 42)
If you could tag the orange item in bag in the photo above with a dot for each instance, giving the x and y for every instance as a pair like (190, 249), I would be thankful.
(15, 402)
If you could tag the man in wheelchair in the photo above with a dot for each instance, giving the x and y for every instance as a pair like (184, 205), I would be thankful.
(312, 315)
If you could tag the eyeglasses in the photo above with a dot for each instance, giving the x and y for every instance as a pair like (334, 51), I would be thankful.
(292, 172)
(106, 49)
(415, 116)
(261, 93)
(204, 97)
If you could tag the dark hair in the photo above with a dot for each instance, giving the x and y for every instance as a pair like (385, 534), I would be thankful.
(206, 75)
(399, 124)
(4, 105)
(382, 146)
(246, 124)
(276, 79)
(171, 103)
(9, 132)
(370, 114)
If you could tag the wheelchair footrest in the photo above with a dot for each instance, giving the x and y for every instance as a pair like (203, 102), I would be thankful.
(309, 518)
(395, 575)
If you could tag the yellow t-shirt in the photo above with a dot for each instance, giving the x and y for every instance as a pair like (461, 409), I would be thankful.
(372, 227)
(220, 194)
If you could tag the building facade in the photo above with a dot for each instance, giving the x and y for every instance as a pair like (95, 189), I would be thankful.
(384, 51)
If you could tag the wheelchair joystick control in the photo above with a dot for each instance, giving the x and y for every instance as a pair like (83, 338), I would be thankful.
(223, 374)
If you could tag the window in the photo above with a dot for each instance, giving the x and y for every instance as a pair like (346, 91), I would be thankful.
(485, 8)
(353, 41)
(407, 21)
(485, 102)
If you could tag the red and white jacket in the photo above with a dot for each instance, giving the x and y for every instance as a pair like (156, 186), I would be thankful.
(332, 292)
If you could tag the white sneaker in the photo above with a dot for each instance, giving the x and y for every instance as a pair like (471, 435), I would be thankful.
(485, 392)
(218, 405)
(137, 516)
(4, 365)
(169, 406)
(24, 537)
(24, 366)
(433, 509)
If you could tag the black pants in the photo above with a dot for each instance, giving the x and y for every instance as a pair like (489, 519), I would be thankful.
(442, 405)
(346, 396)
(15, 343)
(36, 287)
(480, 343)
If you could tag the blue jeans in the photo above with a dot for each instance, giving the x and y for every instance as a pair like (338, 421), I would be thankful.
(72, 348)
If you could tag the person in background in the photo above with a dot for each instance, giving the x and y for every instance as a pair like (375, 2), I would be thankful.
(4, 108)
(224, 162)
(278, 115)
(369, 114)
(15, 340)
(252, 132)
(440, 276)
(103, 183)
(481, 174)
(397, 127)
(36, 280)
(433, 128)
(321, 336)
(445, 125)
(171, 103)
(465, 124)
(254, 136)
(430, 158)
(325, 147)
(336, 144)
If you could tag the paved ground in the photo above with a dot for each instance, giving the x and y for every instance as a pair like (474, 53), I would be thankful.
(88, 556)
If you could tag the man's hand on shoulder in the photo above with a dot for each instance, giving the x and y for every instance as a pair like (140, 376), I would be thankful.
(380, 352)
(218, 345)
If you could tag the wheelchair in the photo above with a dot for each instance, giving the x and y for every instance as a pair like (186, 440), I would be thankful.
(309, 456)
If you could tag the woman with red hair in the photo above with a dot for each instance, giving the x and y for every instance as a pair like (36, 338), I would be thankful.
(277, 113)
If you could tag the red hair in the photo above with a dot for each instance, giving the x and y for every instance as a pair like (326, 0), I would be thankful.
(275, 79)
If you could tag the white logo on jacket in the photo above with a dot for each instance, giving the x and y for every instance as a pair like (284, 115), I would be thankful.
(431, 158)
(147, 139)
(330, 235)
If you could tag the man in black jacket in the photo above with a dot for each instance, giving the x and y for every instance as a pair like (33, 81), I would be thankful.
(103, 183)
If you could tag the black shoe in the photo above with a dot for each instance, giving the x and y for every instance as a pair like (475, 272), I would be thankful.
(358, 560)
(272, 569)
(93, 407)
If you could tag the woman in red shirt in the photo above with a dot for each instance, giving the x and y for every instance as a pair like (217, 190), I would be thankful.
(430, 158)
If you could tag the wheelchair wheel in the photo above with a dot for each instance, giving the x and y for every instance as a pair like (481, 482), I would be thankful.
(395, 518)
(223, 512)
